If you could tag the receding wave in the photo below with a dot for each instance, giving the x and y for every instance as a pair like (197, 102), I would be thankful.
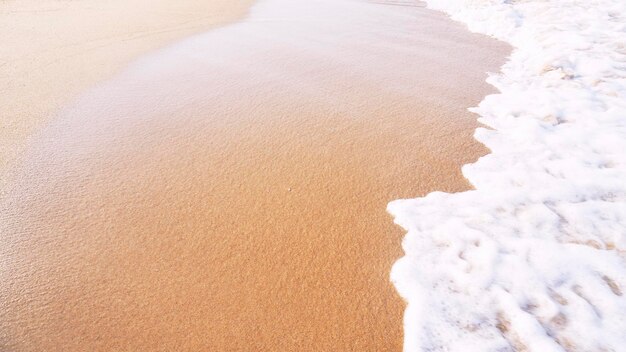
(533, 258)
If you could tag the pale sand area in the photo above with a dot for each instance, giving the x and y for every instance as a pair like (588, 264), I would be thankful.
(50, 50)
(228, 193)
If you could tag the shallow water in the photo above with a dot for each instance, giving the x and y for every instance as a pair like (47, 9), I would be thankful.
(229, 192)
(534, 258)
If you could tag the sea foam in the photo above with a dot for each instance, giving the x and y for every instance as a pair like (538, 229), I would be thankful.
(534, 258)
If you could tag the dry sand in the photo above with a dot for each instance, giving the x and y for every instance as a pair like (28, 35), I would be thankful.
(229, 192)
(51, 50)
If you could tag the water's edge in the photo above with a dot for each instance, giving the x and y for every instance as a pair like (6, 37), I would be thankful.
(533, 258)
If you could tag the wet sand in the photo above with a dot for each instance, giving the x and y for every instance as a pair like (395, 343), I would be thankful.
(228, 193)
(51, 50)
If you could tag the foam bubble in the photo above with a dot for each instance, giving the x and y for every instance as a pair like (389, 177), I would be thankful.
(533, 258)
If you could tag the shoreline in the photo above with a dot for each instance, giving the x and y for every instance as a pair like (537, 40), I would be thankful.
(228, 191)
(532, 257)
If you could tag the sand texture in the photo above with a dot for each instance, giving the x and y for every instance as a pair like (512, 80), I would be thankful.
(228, 193)
(51, 50)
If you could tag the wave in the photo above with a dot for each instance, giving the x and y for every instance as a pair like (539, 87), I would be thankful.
(534, 258)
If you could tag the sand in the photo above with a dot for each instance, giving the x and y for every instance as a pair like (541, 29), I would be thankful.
(228, 193)
(51, 50)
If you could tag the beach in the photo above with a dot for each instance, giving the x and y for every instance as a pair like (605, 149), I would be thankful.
(533, 257)
(53, 49)
(228, 191)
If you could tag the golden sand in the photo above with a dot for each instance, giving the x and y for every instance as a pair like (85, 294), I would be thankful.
(238, 207)
(51, 50)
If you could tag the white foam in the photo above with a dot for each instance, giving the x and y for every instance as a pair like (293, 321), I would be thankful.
(534, 258)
